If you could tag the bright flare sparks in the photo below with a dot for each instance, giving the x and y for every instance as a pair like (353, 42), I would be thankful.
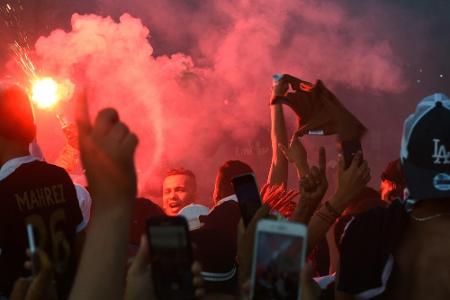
(45, 93)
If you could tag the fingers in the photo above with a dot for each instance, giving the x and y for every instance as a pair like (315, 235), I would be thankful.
(39, 262)
(341, 165)
(130, 142)
(20, 289)
(44, 262)
(364, 172)
(108, 123)
(119, 131)
(360, 167)
(200, 293)
(261, 213)
(142, 259)
(356, 161)
(197, 279)
(82, 112)
(307, 182)
(105, 121)
(196, 268)
(322, 160)
(315, 175)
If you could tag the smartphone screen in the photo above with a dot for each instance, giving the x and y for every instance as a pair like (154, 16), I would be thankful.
(349, 150)
(32, 247)
(247, 193)
(277, 265)
(171, 257)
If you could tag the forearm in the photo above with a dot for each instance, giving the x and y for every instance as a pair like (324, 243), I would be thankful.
(102, 266)
(302, 214)
(279, 166)
(323, 219)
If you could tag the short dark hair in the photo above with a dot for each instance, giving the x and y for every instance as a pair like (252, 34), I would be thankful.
(17, 121)
(180, 171)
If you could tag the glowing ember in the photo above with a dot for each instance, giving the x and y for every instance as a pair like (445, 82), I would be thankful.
(46, 93)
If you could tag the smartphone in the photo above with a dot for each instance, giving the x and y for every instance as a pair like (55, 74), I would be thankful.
(32, 247)
(171, 257)
(278, 256)
(349, 150)
(247, 193)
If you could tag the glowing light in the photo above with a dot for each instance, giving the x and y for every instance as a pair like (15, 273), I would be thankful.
(46, 92)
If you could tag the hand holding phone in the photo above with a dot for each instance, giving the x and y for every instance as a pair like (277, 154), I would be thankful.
(171, 256)
(279, 254)
(33, 250)
(248, 196)
(349, 150)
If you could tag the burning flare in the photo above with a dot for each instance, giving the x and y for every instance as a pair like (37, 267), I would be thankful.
(46, 92)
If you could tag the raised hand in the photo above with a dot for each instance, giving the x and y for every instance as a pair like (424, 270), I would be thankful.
(139, 278)
(296, 153)
(246, 240)
(280, 87)
(313, 187)
(39, 287)
(351, 181)
(107, 150)
(308, 287)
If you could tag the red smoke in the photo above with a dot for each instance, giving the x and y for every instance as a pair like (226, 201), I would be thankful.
(184, 111)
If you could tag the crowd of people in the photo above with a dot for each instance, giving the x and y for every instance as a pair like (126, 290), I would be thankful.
(92, 242)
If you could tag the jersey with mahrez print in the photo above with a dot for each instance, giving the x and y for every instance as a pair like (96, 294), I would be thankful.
(43, 195)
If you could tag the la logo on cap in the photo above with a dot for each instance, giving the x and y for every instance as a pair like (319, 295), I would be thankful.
(441, 155)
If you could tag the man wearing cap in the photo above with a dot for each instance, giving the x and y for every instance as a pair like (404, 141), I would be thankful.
(402, 252)
(32, 192)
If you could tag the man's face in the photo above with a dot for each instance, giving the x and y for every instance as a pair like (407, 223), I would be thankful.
(178, 191)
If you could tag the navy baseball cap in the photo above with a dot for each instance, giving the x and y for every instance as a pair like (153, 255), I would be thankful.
(425, 149)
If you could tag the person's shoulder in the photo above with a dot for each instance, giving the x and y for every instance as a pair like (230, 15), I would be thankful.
(379, 216)
(43, 165)
(377, 226)
(147, 207)
(230, 208)
(366, 245)
(227, 215)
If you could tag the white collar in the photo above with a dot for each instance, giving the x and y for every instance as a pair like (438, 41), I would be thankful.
(11, 165)
(226, 199)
